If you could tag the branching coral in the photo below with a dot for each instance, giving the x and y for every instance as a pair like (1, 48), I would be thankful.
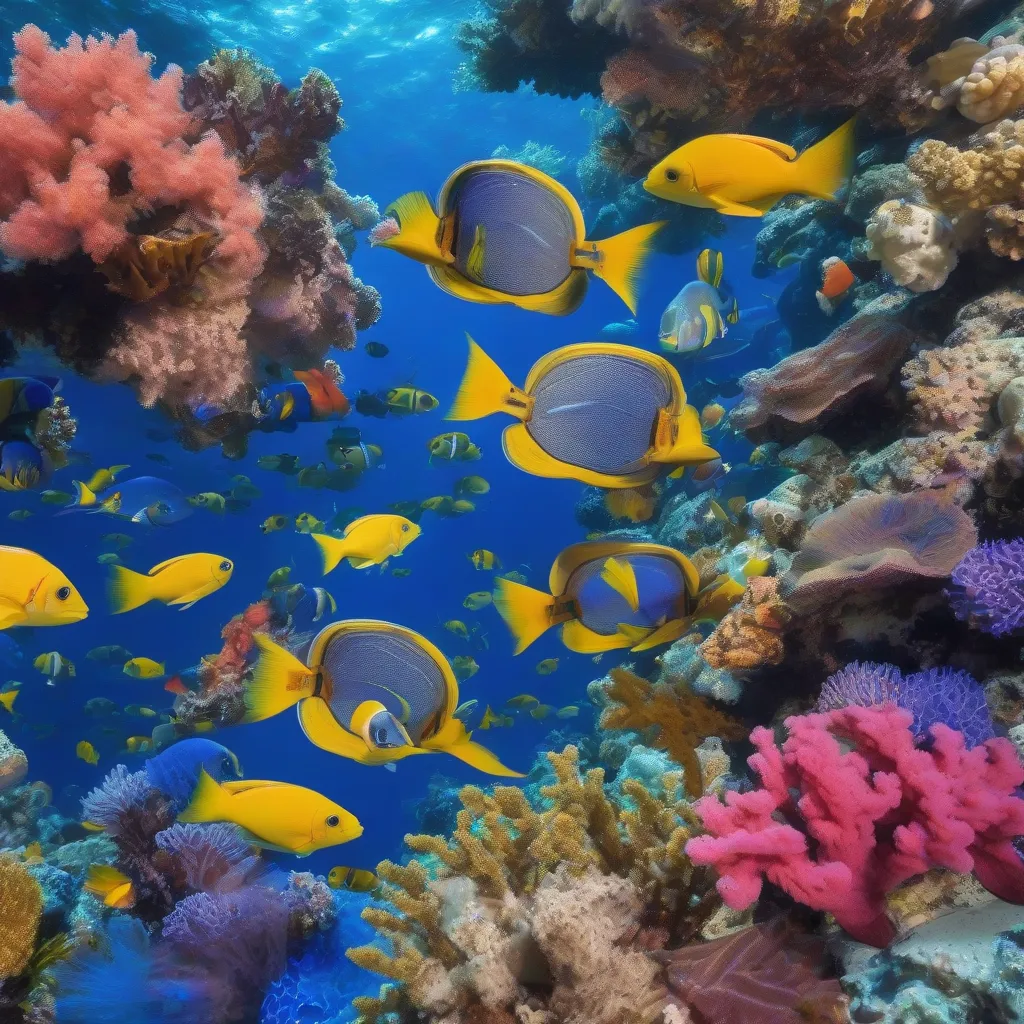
(491, 922)
(875, 810)
(682, 720)
(988, 587)
(21, 905)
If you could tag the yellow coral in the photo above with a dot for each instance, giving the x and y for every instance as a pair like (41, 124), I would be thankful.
(21, 905)
(993, 89)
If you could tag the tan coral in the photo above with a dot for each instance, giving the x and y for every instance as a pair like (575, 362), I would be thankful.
(750, 634)
(21, 905)
(994, 87)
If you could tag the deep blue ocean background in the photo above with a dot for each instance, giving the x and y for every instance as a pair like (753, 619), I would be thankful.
(407, 128)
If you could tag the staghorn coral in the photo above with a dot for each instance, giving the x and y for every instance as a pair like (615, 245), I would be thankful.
(21, 905)
(877, 541)
(682, 720)
(987, 587)
(501, 912)
(877, 809)
(812, 385)
(750, 634)
(914, 244)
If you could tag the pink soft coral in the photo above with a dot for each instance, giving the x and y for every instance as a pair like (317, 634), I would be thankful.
(95, 141)
(875, 815)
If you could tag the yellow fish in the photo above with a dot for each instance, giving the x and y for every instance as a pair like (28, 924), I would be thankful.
(389, 694)
(306, 522)
(490, 720)
(274, 815)
(143, 668)
(138, 744)
(472, 485)
(274, 523)
(505, 232)
(569, 711)
(547, 666)
(367, 541)
(711, 415)
(484, 559)
(7, 699)
(465, 667)
(34, 853)
(453, 446)
(110, 885)
(461, 506)
(34, 592)
(356, 879)
(458, 627)
(103, 478)
(87, 752)
(209, 500)
(477, 600)
(634, 503)
(442, 504)
(745, 175)
(541, 711)
(523, 700)
(55, 666)
(181, 580)
(403, 401)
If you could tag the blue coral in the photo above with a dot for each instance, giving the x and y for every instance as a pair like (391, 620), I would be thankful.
(944, 695)
(988, 587)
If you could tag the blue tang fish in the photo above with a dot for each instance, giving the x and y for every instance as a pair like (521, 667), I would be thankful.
(175, 771)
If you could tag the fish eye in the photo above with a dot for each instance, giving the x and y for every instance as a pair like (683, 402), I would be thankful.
(225, 566)
(405, 527)
(380, 736)
(333, 821)
(671, 175)
(64, 593)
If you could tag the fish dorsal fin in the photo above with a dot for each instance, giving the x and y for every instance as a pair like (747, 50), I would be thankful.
(710, 266)
(244, 785)
(781, 148)
(165, 564)
(619, 575)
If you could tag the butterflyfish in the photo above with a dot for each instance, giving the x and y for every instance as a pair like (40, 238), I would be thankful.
(86, 752)
(454, 446)
(274, 815)
(355, 879)
(406, 400)
(504, 232)
(647, 596)
(34, 592)
(371, 691)
(746, 175)
(604, 414)
(181, 580)
(699, 314)
(484, 559)
(110, 885)
(369, 540)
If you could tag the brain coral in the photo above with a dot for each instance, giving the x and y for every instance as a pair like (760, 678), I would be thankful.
(21, 904)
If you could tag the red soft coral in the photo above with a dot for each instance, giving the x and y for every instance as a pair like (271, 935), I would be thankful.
(876, 815)
(95, 141)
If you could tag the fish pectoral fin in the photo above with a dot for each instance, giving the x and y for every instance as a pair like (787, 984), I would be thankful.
(781, 148)
(244, 785)
(733, 209)
(361, 563)
(666, 634)
(11, 613)
(189, 599)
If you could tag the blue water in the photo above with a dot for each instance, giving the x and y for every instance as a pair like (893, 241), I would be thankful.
(393, 64)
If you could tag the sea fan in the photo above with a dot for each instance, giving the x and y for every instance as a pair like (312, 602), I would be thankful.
(213, 857)
(121, 792)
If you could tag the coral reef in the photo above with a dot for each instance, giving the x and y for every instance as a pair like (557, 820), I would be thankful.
(987, 587)
(914, 244)
(13, 763)
(878, 809)
(21, 905)
(192, 220)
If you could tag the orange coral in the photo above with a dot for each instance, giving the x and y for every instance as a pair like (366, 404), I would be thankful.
(147, 265)
(748, 637)
(683, 720)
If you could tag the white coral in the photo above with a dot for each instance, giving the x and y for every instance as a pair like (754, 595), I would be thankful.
(995, 86)
(915, 244)
(13, 763)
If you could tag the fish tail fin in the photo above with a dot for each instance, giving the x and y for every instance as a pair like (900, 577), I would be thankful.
(622, 258)
(127, 590)
(824, 168)
(112, 886)
(84, 495)
(527, 612)
(485, 390)
(332, 550)
(417, 228)
(453, 739)
(679, 440)
(208, 803)
(710, 266)
(279, 681)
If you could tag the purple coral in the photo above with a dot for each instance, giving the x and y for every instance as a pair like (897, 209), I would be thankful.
(122, 791)
(988, 587)
(212, 857)
(944, 695)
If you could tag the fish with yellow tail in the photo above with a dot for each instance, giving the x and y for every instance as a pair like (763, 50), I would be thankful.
(104, 478)
(369, 540)
(604, 414)
(110, 885)
(274, 815)
(34, 592)
(453, 446)
(745, 175)
(698, 315)
(7, 699)
(354, 879)
(504, 232)
(181, 580)
(608, 595)
(370, 691)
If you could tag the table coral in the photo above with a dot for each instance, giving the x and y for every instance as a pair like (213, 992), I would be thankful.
(878, 810)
